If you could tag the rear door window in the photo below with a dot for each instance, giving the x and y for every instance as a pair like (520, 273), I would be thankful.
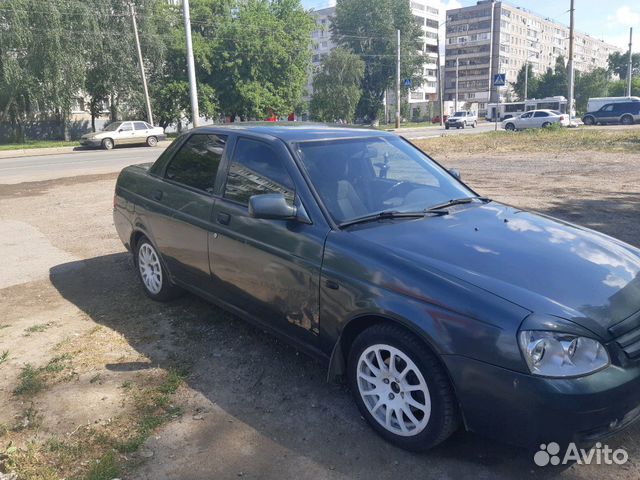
(541, 114)
(140, 126)
(196, 163)
(257, 169)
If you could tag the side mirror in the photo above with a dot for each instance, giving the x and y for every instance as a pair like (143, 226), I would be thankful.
(455, 172)
(272, 206)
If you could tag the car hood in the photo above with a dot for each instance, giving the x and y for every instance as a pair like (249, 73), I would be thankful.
(542, 264)
(93, 135)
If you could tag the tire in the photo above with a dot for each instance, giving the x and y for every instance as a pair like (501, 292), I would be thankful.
(432, 389)
(589, 120)
(152, 273)
(626, 120)
(152, 141)
(546, 125)
(446, 127)
(474, 125)
(510, 126)
(107, 144)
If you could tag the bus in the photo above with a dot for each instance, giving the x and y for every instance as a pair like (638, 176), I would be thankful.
(513, 109)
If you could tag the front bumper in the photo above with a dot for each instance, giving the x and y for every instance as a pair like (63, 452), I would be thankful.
(90, 142)
(526, 410)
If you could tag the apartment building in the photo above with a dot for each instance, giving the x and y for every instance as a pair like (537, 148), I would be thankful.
(519, 36)
(426, 15)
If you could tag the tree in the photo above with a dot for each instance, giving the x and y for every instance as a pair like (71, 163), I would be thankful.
(619, 88)
(532, 83)
(368, 28)
(336, 87)
(618, 64)
(43, 63)
(590, 84)
(259, 56)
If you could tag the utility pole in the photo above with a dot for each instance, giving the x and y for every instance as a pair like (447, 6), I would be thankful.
(457, 73)
(526, 81)
(571, 70)
(193, 90)
(398, 85)
(491, 50)
(439, 72)
(630, 67)
(140, 61)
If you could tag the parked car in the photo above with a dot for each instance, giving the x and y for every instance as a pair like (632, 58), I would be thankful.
(436, 119)
(124, 133)
(536, 119)
(625, 113)
(596, 103)
(440, 308)
(462, 119)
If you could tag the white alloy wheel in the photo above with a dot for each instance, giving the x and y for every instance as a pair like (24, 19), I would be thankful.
(150, 268)
(393, 390)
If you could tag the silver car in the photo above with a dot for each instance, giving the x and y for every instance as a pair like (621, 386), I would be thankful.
(536, 119)
(124, 133)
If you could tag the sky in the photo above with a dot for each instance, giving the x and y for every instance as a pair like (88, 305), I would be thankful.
(608, 20)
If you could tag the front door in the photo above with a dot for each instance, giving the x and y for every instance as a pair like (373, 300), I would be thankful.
(179, 217)
(606, 114)
(268, 269)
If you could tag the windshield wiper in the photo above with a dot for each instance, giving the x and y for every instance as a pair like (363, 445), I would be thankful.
(386, 215)
(457, 201)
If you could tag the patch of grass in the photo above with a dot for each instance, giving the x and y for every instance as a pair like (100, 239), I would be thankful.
(535, 141)
(95, 378)
(4, 356)
(36, 329)
(30, 420)
(58, 364)
(38, 144)
(106, 468)
(31, 381)
(4, 326)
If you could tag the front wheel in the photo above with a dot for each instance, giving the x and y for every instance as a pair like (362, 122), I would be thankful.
(589, 121)
(152, 273)
(510, 126)
(446, 127)
(401, 389)
(152, 141)
(107, 144)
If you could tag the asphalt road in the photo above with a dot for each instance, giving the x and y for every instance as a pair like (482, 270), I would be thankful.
(92, 162)
(82, 162)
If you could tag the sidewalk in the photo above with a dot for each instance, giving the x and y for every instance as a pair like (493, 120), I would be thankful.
(37, 152)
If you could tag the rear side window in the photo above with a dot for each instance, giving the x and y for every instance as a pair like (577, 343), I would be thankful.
(257, 169)
(196, 163)
(541, 114)
(140, 126)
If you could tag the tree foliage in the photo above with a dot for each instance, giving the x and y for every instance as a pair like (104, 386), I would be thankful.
(368, 29)
(532, 83)
(618, 64)
(337, 86)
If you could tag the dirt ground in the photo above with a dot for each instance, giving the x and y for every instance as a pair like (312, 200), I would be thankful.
(245, 405)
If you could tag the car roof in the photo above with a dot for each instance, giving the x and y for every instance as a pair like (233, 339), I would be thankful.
(295, 131)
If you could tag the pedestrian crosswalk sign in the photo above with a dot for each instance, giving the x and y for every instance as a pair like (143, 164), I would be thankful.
(499, 79)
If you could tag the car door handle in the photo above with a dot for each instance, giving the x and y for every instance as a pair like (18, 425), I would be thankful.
(157, 195)
(224, 218)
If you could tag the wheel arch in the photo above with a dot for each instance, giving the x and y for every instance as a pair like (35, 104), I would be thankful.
(355, 326)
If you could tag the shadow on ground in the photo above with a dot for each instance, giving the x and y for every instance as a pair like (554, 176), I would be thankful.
(264, 384)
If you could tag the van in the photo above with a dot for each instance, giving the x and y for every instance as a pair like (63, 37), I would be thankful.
(625, 113)
(595, 104)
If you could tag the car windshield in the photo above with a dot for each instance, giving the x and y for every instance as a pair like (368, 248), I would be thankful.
(363, 176)
(460, 114)
(112, 127)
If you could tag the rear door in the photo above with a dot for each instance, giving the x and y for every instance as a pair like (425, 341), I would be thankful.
(140, 132)
(539, 119)
(183, 199)
(267, 269)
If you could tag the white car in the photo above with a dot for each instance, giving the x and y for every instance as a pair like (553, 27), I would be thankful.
(124, 133)
(462, 119)
(536, 119)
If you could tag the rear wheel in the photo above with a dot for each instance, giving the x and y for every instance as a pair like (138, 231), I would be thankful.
(475, 124)
(546, 125)
(401, 389)
(626, 120)
(152, 273)
(152, 141)
(107, 144)
(510, 126)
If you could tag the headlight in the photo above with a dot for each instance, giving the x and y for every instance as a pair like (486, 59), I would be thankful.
(552, 354)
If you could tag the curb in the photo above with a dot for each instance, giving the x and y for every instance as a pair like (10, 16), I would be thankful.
(38, 152)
